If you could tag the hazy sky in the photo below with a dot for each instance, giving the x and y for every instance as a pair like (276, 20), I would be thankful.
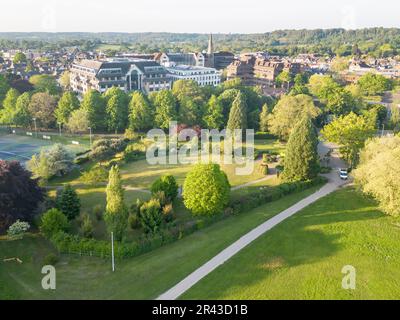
(205, 16)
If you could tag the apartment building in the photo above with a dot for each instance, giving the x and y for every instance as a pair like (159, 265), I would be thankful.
(128, 75)
(203, 76)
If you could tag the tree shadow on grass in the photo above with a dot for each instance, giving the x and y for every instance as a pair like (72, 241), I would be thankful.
(300, 240)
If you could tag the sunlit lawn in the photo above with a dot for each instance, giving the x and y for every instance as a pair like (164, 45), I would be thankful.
(143, 277)
(302, 258)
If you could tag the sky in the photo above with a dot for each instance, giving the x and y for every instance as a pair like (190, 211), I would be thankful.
(197, 16)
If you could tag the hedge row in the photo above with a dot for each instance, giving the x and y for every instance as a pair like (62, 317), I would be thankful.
(73, 244)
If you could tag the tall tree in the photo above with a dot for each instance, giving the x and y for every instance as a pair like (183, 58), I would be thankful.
(214, 118)
(95, 106)
(350, 132)
(8, 112)
(78, 121)
(264, 118)
(238, 113)
(4, 87)
(67, 103)
(141, 116)
(42, 107)
(45, 83)
(116, 216)
(22, 116)
(117, 109)
(20, 195)
(301, 157)
(166, 109)
(288, 111)
(378, 172)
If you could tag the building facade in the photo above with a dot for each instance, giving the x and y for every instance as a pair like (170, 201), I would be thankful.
(128, 75)
(203, 76)
(256, 71)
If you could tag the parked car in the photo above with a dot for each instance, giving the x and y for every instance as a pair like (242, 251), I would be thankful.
(343, 174)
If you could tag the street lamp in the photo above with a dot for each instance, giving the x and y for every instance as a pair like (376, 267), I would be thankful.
(90, 135)
(34, 120)
(59, 126)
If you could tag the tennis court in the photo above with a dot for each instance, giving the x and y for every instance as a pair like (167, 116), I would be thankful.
(15, 147)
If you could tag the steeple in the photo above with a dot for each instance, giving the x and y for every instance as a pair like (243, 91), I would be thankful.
(210, 50)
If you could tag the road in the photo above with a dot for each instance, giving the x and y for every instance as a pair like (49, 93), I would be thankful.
(334, 182)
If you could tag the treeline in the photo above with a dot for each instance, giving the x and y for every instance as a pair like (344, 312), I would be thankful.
(285, 42)
(47, 106)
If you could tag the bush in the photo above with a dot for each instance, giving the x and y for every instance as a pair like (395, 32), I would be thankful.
(162, 199)
(18, 229)
(50, 260)
(95, 176)
(130, 135)
(134, 152)
(106, 148)
(166, 184)
(263, 169)
(68, 202)
(133, 221)
(206, 190)
(52, 222)
(168, 212)
(150, 216)
(87, 227)
(98, 212)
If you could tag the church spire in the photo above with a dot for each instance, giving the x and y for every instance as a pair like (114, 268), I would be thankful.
(210, 45)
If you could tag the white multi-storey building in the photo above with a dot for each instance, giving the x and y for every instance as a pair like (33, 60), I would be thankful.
(203, 76)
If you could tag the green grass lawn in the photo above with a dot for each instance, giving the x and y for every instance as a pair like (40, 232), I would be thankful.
(143, 277)
(302, 258)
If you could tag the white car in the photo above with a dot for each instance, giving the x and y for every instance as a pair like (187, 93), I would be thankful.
(343, 174)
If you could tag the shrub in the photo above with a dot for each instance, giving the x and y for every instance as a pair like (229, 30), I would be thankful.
(87, 227)
(18, 229)
(162, 199)
(107, 148)
(168, 212)
(50, 260)
(166, 184)
(206, 190)
(68, 202)
(52, 222)
(98, 212)
(133, 221)
(134, 152)
(263, 169)
(95, 175)
(130, 134)
(150, 216)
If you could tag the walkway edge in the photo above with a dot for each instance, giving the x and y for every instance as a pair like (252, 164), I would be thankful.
(180, 288)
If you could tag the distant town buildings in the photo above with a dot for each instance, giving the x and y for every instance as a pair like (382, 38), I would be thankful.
(258, 71)
(128, 75)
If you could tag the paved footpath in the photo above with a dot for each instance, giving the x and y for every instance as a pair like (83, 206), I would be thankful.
(248, 238)
(333, 184)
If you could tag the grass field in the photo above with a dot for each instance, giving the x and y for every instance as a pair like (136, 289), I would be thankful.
(143, 277)
(302, 258)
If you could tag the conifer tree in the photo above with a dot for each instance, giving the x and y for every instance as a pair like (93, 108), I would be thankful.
(238, 113)
(68, 202)
(264, 118)
(301, 160)
(116, 216)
